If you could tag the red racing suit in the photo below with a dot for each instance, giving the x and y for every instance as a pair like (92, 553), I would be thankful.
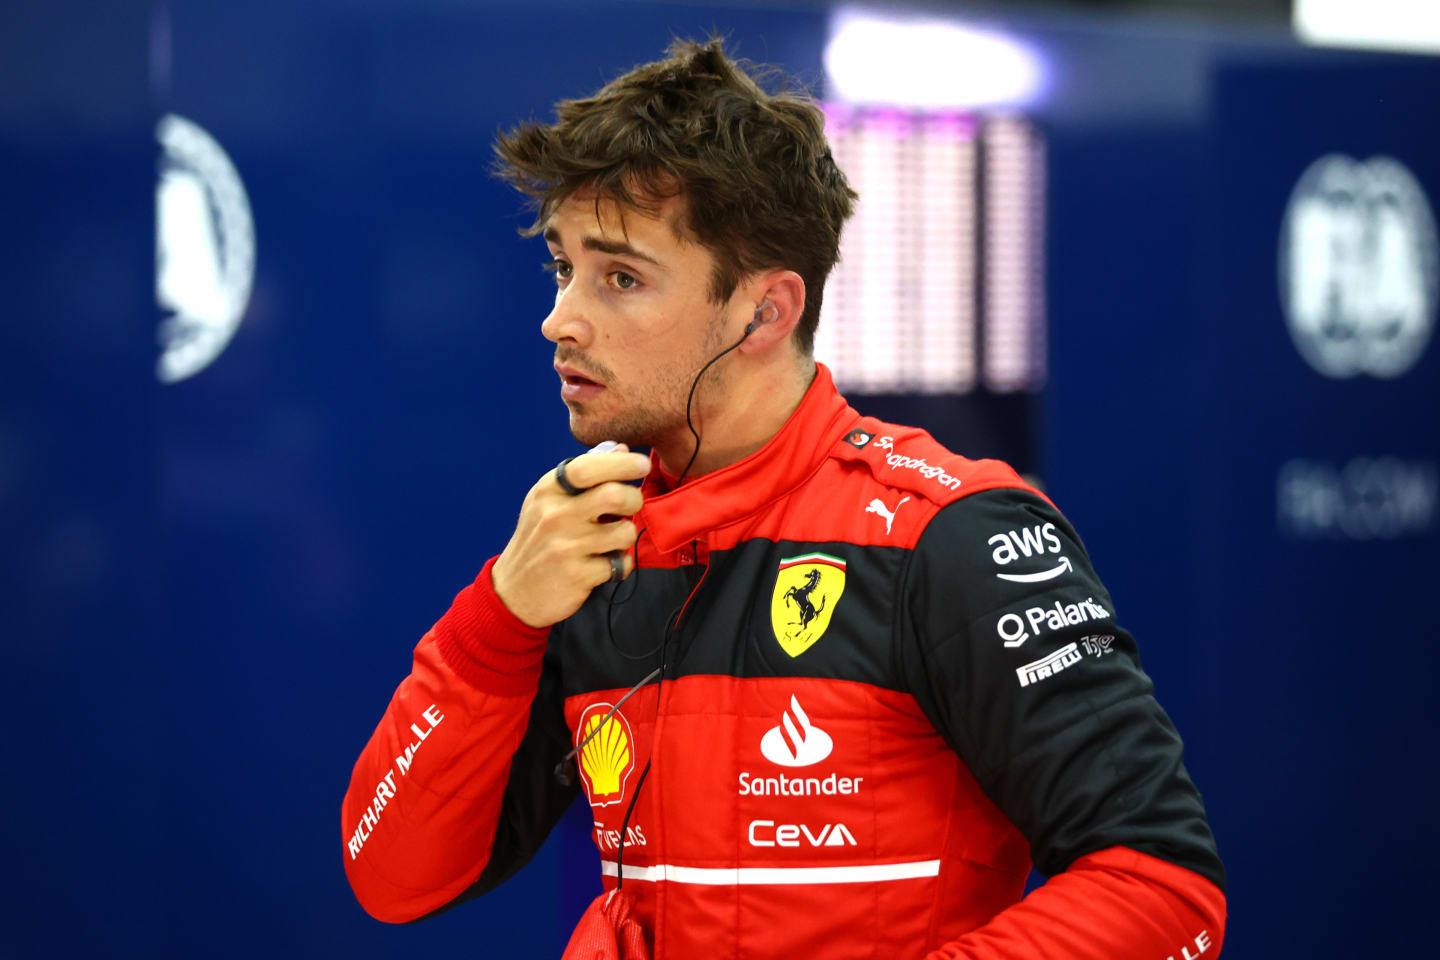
(891, 682)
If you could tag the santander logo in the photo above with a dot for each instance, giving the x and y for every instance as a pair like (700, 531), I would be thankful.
(796, 742)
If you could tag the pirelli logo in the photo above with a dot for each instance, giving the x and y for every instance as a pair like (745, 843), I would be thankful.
(1047, 667)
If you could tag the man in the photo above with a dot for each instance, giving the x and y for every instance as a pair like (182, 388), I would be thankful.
(876, 680)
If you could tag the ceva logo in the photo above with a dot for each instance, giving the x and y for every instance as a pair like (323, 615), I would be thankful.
(796, 742)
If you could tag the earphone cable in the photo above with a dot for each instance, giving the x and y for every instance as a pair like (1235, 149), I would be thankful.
(691, 423)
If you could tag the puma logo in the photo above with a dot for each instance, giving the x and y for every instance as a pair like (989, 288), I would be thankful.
(878, 507)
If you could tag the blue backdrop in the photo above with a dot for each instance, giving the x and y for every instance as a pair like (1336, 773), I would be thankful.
(211, 588)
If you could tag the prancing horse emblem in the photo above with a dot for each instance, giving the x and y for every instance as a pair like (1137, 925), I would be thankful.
(807, 588)
(800, 596)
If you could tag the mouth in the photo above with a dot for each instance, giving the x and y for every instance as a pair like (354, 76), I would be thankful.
(575, 379)
(575, 385)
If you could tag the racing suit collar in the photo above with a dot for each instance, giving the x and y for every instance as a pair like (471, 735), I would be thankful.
(674, 517)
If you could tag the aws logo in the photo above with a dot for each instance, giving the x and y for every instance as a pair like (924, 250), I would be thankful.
(807, 588)
(608, 756)
(1036, 541)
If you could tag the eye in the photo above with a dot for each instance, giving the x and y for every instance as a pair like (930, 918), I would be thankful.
(561, 268)
(623, 280)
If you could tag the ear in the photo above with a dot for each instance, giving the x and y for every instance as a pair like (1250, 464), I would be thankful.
(779, 295)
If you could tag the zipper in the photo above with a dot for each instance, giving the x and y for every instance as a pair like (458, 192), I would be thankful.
(662, 889)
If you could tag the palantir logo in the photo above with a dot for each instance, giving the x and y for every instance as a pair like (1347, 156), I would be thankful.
(796, 742)
(1359, 265)
(204, 249)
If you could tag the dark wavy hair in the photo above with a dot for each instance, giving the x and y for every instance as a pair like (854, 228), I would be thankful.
(761, 188)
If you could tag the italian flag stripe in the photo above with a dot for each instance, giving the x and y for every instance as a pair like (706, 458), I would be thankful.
(812, 558)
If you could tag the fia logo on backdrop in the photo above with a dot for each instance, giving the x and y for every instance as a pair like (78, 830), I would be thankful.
(204, 249)
(1359, 267)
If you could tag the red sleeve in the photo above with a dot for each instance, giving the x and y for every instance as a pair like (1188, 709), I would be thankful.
(1111, 905)
(420, 813)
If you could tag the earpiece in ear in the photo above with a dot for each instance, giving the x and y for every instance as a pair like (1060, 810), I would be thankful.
(765, 313)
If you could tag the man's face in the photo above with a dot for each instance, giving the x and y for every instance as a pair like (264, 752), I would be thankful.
(632, 323)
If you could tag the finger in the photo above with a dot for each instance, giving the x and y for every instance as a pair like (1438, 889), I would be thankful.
(620, 535)
(608, 500)
(603, 570)
(590, 469)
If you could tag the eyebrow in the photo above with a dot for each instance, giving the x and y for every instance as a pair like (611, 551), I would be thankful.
(601, 245)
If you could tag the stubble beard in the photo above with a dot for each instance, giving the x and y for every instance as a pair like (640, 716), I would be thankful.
(656, 414)
(643, 423)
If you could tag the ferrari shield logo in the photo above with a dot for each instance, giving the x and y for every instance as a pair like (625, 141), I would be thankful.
(807, 588)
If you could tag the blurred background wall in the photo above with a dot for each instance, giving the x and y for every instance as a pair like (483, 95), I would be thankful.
(272, 386)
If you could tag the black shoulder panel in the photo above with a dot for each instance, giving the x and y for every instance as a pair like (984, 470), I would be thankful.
(801, 610)
(1011, 647)
(764, 608)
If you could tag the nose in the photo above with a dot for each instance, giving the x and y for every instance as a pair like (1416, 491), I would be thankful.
(566, 322)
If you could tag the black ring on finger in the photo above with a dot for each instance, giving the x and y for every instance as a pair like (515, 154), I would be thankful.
(617, 565)
(565, 484)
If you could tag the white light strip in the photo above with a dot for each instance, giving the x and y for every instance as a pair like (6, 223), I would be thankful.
(943, 248)
(1014, 251)
(765, 876)
(919, 63)
(899, 309)
(1411, 25)
(878, 216)
(838, 317)
(900, 313)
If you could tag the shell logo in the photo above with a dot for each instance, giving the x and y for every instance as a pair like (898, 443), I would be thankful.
(608, 759)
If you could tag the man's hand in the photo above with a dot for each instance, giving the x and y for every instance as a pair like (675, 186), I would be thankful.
(558, 552)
